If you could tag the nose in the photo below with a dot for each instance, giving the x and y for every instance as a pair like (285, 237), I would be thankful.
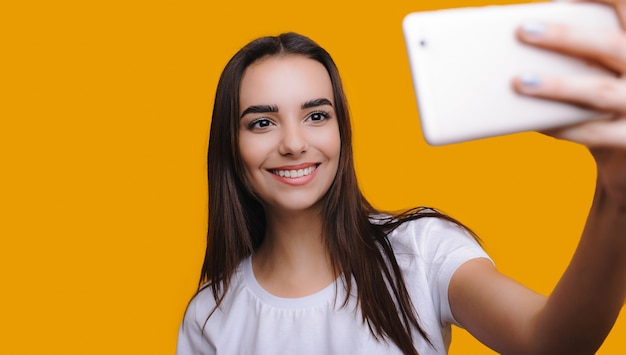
(293, 140)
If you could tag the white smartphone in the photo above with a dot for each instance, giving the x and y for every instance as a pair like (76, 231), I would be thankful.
(462, 62)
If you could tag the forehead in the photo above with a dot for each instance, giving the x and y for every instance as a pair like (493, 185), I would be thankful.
(284, 81)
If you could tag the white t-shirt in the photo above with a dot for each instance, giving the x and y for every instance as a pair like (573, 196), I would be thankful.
(252, 321)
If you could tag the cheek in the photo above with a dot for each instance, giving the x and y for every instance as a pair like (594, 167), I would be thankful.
(247, 153)
(250, 160)
(253, 150)
(330, 143)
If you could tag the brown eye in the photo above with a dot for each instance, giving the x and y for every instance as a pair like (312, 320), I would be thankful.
(259, 124)
(318, 116)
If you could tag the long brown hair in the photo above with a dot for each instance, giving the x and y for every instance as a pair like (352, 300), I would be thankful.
(357, 246)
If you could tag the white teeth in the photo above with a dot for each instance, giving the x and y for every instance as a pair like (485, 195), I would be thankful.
(295, 173)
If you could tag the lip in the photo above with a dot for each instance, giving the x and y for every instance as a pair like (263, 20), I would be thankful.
(294, 167)
(298, 181)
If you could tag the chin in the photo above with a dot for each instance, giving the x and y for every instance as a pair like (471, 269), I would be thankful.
(294, 206)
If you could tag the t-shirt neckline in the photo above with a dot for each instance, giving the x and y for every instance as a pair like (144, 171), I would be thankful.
(318, 298)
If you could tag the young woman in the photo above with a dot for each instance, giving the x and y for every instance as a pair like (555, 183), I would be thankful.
(298, 262)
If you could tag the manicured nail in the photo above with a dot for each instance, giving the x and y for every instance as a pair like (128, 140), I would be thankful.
(530, 80)
(534, 28)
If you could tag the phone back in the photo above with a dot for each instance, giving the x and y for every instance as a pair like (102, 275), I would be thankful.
(462, 62)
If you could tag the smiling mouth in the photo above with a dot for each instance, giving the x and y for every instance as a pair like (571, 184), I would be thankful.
(296, 173)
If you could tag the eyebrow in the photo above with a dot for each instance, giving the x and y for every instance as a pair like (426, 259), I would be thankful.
(259, 109)
(274, 108)
(316, 103)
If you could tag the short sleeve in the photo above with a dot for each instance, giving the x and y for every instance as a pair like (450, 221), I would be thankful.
(191, 340)
(445, 247)
(430, 250)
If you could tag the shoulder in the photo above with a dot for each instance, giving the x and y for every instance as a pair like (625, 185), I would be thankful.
(191, 338)
(201, 307)
(440, 246)
(429, 250)
(426, 234)
(203, 318)
(201, 304)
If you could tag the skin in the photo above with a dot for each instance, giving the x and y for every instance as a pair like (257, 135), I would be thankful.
(301, 132)
(503, 314)
(581, 310)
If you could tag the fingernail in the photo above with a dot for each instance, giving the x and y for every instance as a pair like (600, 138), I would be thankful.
(530, 80)
(534, 28)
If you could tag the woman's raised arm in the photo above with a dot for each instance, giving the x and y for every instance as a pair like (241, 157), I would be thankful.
(581, 310)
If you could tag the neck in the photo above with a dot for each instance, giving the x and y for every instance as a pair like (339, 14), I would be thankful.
(293, 260)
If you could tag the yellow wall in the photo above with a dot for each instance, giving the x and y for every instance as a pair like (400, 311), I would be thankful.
(104, 113)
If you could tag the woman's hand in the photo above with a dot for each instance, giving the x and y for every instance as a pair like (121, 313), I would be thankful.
(606, 138)
(583, 306)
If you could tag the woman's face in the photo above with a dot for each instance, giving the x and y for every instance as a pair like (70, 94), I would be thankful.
(288, 132)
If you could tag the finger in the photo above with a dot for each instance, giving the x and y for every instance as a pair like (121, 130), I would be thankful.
(603, 94)
(607, 46)
(595, 134)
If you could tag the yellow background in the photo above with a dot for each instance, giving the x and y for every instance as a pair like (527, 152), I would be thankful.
(105, 110)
